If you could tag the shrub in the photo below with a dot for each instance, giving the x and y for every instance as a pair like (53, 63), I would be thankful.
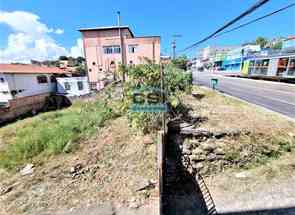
(148, 76)
(180, 62)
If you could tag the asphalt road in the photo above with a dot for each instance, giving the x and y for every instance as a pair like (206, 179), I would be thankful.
(275, 96)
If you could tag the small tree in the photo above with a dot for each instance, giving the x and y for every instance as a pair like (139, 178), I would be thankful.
(277, 45)
(80, 60)
(180, 62)
(148, 76)
(262, 41)
(63, 58)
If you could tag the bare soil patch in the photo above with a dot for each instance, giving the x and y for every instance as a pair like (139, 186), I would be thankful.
(233, 134)
(110, 167)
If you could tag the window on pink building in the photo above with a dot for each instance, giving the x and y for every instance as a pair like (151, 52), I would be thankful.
(112, 49)
(132, 48)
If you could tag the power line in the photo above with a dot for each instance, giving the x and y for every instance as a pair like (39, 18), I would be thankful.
(255, 20)
(247, 12)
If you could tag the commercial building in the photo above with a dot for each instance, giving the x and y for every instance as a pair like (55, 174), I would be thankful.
(232, 62)
(211, 56)
(211, 52)
(289, 44)
(106, 48)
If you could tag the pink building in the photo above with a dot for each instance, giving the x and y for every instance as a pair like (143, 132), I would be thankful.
(105, 50)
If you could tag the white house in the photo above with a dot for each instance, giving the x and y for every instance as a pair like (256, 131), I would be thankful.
(19, 80)
(73, 86)
(25, 88)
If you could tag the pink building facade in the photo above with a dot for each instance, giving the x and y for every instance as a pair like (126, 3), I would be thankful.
(105, 50)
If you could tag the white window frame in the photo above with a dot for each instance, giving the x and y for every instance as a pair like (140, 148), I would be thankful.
(115, 49)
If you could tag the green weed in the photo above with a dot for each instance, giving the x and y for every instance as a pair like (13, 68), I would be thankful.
(51, 133)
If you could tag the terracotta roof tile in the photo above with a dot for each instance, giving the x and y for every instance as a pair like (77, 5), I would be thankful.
(30, 69)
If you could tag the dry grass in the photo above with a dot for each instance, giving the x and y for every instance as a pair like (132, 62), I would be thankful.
(227, 113)
(113, 163)
(264, 136)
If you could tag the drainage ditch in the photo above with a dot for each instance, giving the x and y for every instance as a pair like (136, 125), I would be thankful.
(184, 190)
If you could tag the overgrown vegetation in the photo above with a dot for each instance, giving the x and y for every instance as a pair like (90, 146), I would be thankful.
(180, 62)
(148, 76)
(51, 133)
(59, 132)
(275, 43)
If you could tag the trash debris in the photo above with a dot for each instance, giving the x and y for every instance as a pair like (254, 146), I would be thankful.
(27, 170)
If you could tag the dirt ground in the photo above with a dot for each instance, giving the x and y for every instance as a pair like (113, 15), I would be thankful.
(226, 113)
(267, 185)
(108, 168)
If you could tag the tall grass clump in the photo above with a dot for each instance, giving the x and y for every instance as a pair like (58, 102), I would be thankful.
(51, 133)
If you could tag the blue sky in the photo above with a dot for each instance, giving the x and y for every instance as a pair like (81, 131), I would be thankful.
(194, 19)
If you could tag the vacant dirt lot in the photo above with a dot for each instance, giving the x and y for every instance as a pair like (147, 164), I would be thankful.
(111, 167)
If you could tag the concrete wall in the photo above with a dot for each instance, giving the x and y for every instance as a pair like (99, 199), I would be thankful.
(23, 105)
(146, 47)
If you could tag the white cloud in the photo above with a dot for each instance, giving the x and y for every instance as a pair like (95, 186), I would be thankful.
(59, 31)
(31, 39)
(77, 50)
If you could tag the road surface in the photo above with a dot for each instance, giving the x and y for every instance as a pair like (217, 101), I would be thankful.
(275, 96)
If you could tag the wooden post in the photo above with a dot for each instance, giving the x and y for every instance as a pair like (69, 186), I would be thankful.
(161, 168)
(163, 101)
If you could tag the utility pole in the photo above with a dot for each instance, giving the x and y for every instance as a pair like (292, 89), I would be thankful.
(174, 44)
(174, 49)
(121, 43)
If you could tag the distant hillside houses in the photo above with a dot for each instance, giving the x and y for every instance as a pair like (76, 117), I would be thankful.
(76, 66)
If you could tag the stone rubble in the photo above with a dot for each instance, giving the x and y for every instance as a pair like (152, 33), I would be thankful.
(205, 149)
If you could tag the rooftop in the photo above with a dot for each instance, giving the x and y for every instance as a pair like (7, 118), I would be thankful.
(291, 37)
(29, 69)
(105, 28)
(148, 36)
